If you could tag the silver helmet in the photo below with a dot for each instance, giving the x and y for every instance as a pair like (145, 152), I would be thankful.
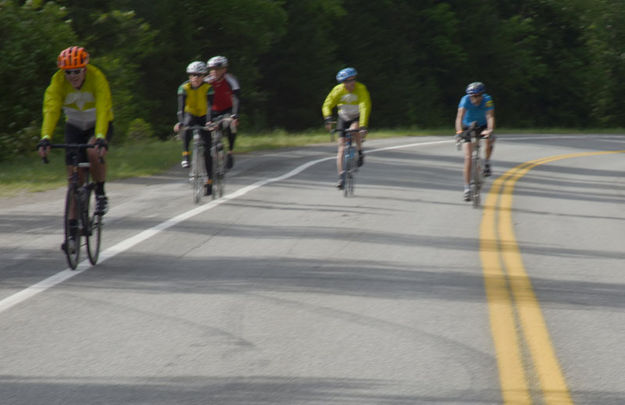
(197, 67)
(217, 62)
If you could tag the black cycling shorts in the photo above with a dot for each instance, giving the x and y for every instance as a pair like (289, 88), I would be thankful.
(342, 124)
(77, 135)
(479, 129)
(191, 120)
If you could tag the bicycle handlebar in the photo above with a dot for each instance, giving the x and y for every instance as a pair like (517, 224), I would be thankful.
(220, 120)
(75, 146)
(193, 127)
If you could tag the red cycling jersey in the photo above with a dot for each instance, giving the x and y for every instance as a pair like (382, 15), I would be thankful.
(224, 94)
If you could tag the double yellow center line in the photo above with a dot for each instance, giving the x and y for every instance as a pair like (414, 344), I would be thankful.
(522, 342)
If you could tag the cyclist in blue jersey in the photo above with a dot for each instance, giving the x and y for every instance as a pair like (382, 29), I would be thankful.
(476, 106)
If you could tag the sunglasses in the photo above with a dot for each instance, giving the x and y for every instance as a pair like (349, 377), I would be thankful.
(475, 95)
(196, 74)
(350, 80)
(73, 72)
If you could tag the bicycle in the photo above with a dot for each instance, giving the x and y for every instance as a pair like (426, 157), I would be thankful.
(197, 172)
(472, 134)
(79, 200)
(218, 154)
(350, 166)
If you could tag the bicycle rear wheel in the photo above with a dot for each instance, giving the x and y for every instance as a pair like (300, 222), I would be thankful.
(71, 240)
(92, 228)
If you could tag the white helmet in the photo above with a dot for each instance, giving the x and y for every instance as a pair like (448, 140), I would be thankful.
(197, 67)
(217, 62)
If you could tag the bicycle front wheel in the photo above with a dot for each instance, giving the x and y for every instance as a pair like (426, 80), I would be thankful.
(197, 182)
(476, 183)
(92, 228)
(349, 184)
(220, 174)
(71, 240)
(348, 174)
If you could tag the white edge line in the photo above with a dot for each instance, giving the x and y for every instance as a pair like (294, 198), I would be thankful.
(124, 245)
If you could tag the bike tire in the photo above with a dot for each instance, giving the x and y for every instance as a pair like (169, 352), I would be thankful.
(476, 183)
(197, 182)
(92, 228)
(349, 186)
(347, 174)
(219, 164)
(73, 256)
(221, 171)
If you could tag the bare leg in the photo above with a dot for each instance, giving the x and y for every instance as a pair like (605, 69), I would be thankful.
(98, 169)
(468, 149)
(490, 145)
(339, 156)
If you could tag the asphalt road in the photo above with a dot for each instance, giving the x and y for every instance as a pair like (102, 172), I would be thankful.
(286, 292)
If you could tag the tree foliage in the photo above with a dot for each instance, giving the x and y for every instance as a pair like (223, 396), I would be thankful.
(545, 62)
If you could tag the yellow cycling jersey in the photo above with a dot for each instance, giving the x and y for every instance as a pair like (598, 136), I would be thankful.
(89, 107)
(350, 105)
(195, 101)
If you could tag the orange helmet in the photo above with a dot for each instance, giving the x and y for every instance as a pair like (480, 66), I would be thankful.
(73, 57)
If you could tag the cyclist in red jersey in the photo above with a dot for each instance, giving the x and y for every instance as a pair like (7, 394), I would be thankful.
(224, 99)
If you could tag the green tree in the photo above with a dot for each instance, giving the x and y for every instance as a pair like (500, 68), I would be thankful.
(32, 36)
(299, 70)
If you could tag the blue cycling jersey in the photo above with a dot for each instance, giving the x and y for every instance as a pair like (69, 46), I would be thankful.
(476, 112)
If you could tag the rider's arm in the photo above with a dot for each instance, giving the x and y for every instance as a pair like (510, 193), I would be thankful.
(364, 105)
(459, 117)
(52, 104)
(182, 102)
(331, 101)
(236, 91)
(490, 121)
(235, 103)
(103, 102)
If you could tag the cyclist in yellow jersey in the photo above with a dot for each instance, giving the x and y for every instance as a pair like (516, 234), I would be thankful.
(354, 107)
(82, 92)
(193, 107)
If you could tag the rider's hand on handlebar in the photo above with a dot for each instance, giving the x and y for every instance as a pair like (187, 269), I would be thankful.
(43, 147)
(363, 131)
(177, 127)
(235, 120)
(102, 146)
(486, 133)
(328, 123)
